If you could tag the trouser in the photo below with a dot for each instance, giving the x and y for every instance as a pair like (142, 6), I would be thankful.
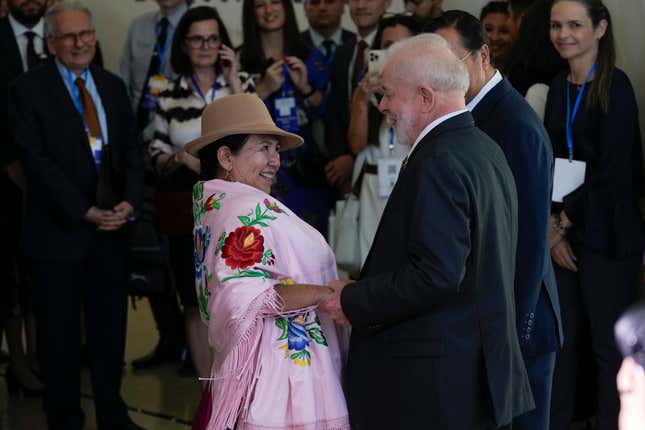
(98, 282)
(595, 296)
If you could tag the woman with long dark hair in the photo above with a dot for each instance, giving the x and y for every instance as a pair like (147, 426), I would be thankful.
(287, 78)
(597, 231)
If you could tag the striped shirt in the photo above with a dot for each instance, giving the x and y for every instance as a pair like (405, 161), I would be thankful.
(179, 108)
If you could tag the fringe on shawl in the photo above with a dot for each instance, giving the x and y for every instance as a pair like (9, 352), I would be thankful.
(334, 424)
(232, 382)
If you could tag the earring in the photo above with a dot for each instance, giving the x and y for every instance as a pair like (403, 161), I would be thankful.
(227, 177)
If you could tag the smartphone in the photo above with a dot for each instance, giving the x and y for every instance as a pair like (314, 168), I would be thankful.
(630, 333)
(376, 60)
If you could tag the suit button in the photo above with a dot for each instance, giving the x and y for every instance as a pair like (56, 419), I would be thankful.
(530, 323)
(527, 337)
(531, 315)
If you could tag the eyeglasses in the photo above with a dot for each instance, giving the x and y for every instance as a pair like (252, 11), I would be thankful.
(465, 57)
(200, 41)
(69, 39)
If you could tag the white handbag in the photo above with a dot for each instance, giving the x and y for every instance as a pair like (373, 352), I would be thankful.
(343, 226)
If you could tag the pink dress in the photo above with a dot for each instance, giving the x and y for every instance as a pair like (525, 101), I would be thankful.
(271, 371)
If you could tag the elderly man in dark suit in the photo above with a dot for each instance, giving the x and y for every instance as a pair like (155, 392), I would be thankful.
(434, 343)
(78, 142)
(505, 116)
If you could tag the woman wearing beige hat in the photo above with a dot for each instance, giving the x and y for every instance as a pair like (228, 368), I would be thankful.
(258, 274)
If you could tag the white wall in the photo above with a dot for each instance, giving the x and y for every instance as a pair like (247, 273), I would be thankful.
(112, 18)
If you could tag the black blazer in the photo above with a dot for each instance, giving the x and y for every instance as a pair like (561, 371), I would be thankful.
(337, 114)
(60, 170)
(506, 117)
(433, 313)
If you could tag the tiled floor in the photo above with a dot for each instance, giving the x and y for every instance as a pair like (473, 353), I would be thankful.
(158, 399)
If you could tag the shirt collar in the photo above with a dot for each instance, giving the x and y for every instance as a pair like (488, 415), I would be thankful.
(64, 71)
(496, 79)
(19, 29)
(174, 17)
(433, 125)
(369, 39)
(318, 38)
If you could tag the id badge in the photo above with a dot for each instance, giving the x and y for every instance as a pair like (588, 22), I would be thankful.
(388, 173)
(567, 177)
(286, 113)
(96, 146)
(156, 84)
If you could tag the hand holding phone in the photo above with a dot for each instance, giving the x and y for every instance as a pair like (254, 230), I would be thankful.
(376, 59)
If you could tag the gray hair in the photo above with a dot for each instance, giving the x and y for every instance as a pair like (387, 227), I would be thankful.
(429, 59)
(63, 6)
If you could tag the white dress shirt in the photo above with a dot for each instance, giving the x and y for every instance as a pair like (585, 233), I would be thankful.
(433, 125)
(317, 39)
(496, 79)
(19, 31)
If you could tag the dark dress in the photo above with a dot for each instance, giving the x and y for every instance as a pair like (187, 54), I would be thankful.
(607, 238)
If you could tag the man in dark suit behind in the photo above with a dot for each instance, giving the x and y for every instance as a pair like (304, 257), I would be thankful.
(433, 342)
(83, 163)
(505, 116)
(325, 32)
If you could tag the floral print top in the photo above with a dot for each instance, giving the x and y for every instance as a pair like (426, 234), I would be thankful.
(246, 242)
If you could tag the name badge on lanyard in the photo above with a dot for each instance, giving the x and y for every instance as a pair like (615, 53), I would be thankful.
(157, 82)
(286, 111)
(96, 146)
(388, 170)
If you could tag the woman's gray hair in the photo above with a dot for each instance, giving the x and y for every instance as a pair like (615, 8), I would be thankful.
(63, 6)
(429, 59)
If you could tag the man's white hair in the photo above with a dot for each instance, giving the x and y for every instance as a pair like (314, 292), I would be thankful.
(428, 59)
(63, 6)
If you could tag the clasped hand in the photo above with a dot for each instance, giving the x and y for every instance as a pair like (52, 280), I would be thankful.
(331, 305)
(109, 219)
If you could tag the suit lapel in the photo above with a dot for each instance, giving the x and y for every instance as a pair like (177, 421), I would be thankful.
(6, 33)
(106, 100)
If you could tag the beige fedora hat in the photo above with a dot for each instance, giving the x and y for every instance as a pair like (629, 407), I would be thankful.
(239, 114)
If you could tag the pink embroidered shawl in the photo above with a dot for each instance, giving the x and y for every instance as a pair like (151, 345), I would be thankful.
(270, 371)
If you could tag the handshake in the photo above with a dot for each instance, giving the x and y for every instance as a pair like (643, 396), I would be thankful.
(329, 302)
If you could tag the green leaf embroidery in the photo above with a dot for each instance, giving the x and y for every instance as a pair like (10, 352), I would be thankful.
(318, 336)
(258, 273)
(245, 220)
(282, 325)
(220, 243)
(258, 212)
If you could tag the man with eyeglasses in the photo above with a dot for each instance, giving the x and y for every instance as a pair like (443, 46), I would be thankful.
(146, 69)
(504, 115)
(348, 69)
(83, 165)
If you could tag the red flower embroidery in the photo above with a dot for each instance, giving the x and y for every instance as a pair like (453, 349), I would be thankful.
(243, 248)
(272, 206)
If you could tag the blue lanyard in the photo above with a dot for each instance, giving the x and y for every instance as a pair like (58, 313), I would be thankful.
(74, 90)
(391, 145)
(286, 83)
(199, 90)
(571, 116)
(162, 53)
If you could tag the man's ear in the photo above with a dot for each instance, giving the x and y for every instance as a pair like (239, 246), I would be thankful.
(484, 54)
(225, 158)
(428, 98)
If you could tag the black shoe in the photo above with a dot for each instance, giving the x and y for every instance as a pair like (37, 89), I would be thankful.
(164, 353)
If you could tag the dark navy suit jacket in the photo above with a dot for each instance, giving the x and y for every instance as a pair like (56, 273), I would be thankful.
(506, 117)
